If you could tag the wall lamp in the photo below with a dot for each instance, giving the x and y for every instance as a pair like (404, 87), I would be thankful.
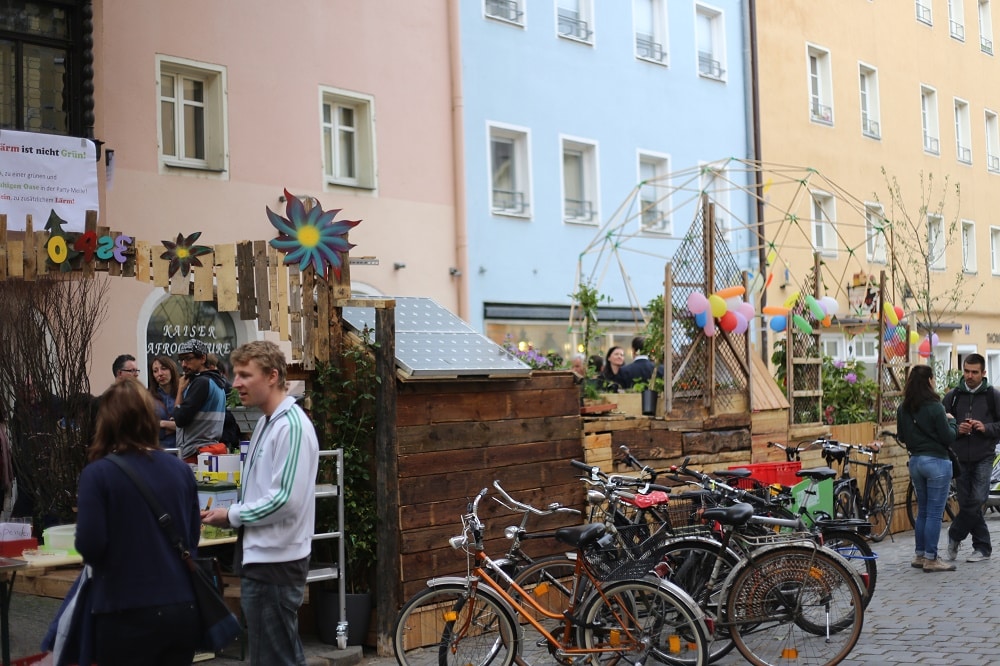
(398, 265)
(454, 272)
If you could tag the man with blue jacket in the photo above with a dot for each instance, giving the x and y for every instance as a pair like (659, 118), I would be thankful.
(275, 510)
(201, 403)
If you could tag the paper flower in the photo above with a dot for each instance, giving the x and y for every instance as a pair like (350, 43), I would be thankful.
(184, 254)
(311, 237)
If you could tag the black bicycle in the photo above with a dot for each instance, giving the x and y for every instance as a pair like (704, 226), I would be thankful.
(950, 505)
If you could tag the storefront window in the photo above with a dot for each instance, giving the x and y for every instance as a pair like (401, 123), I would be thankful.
(180, 318)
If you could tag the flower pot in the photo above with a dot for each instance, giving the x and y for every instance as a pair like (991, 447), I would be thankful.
(326, 610)
(649, 399)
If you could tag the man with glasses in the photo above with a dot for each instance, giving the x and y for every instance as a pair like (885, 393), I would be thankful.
(124, 367)
(201, 403)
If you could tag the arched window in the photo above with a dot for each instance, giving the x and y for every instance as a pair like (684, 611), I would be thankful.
(180, 318)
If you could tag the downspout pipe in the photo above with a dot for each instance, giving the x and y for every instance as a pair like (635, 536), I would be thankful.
(458, 159)
(751, 22)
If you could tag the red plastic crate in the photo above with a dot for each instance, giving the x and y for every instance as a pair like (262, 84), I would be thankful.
(773, 472)
(16, 547)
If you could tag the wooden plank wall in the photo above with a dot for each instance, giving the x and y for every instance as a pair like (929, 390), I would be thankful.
(456, 437)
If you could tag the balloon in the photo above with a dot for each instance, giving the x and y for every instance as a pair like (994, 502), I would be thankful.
(730, 292)
(733, 302)
(890, 314)
(756, 283)
(709, 328)
(801, 324)
(697, 303)
(778, 323)
(746, 309)
(814, 307)
(716, 305)
(742, 323)
(925, 348)
(728, 322)
(900, 315)
(768, 282)
(790, 301)
(889, 352)
(901, 334)
(827, 321)
(771, 256)
(830, 305)
(934, 339)
(774, 310)
(914, 337)
(700, 319)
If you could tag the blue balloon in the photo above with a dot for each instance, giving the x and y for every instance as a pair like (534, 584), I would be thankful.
(778, 323)
(701, 318)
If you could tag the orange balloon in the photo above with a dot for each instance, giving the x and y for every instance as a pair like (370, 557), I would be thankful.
(729, 292)
(774, 310)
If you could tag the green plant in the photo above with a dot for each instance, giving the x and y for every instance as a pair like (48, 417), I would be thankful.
(343, 409)
(849, 396)
(530, 356)
(588, 299)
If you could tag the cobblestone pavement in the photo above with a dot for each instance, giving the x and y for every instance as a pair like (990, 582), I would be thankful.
(914, 618)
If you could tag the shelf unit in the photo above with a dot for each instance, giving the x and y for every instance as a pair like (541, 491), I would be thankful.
(333, 571)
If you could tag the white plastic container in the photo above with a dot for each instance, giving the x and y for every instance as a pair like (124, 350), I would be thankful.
(60, 537)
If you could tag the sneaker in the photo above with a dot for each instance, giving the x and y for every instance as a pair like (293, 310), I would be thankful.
(977, 557)
(937, 565)
(917, 563)
(953, 550)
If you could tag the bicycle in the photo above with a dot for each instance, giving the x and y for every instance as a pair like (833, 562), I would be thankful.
(876, 501)
(950, 505)
(624, 615)
(515, 559)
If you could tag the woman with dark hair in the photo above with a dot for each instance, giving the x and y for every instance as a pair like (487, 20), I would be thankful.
(927, 430)
(613, 362)
(143, 601)
(163, 388)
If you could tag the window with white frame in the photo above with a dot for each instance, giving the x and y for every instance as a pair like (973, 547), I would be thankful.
(579, 177)
(929, 120)
(968, 246)
(347, 122)
(992, 363)
(654, 193)
(824, 236)
(956, 19)
(820, 85)
(834, 346)
(575, 19)
(985, 27)
(192, 114)
(992, 141)
(510, 176)
(963, 132)
(710, 33)
(995, 250)
(715, 184)
(936, 241)
(924, 13)
(875, 234)
(863, 347)
(510, 11)
(650, 18)
(868, 82)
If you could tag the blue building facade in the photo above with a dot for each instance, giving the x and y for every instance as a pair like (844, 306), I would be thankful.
(567, 106)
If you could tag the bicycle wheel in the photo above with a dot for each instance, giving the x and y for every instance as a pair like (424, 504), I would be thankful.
(641, 620)
(776, 601)
(950, 506)
(846, 503)
(449, 624)
(855, 549)
(880, 502)
(549, 582)
(688, 563)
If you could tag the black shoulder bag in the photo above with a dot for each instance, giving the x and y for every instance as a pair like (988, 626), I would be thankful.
(220, 625)
(956, 467)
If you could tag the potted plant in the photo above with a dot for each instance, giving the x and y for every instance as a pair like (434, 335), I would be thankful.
(343, 410)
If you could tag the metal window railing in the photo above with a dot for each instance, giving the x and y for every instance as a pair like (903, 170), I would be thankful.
(507, 10)
(993, 163)
(931, 144)
(870, 128)
(578, 209)
(709, 66)
(821, 112)
(653, 219)
(957, 30)
(964, 153)
(986, 45)
(571, 26)
(645, 47)
(509, 201)
(924, 13)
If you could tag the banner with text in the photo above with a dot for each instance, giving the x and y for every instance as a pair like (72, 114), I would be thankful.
(40, 173)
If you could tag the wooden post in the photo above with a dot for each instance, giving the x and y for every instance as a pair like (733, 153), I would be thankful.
(668, 342)
(388, 589)
(708, 224)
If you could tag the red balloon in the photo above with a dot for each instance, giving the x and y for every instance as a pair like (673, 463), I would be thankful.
(728, 321)
(899, 313)
(924, 349)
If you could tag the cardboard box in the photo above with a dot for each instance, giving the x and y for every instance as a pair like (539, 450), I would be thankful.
(221, 494)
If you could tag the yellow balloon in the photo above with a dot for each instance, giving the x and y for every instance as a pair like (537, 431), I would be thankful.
(791, 300)
(914, 337)
(771, 256)
(890, 313)
(717, 305)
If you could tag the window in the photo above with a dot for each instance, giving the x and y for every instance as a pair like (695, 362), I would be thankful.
(863, 347)
(833, 346)
(820, 86)
(579, 179)
(935, 241)
(654, 193)
(924, 13)
(956, 19)
(995, 250)
(985, 27)
(650, 18)
(710, 31)
(348, 138)
(505, 10)
(929, 120)
(509, 171)
(874, 233)
(41, 68)
(715, 183)
(868, 79)
(963, 132)
(575, 19)
(823, 232)
(192, 114)
(968, 246)
(992, 142)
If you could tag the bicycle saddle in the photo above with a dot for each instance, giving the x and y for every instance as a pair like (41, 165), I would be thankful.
(580, 536)
(817, 473)
(738, 473)
(737, 514)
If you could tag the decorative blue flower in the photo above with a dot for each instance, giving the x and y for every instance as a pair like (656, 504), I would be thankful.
(311, 236)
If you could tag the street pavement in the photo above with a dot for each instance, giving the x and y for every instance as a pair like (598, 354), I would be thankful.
(914, 618)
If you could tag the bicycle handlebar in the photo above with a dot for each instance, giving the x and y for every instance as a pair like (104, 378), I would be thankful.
(514, 505)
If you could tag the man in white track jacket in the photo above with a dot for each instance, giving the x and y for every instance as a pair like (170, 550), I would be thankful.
(276, 508)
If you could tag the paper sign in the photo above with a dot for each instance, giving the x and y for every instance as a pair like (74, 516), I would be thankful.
(15, 531)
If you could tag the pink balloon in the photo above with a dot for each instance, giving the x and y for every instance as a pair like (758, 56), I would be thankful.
(697, 303)
(709, 328)
(728, 322)
(746, 309)
(741, 323)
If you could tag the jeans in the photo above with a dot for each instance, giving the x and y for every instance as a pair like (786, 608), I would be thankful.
(973, 487)
(930, 477)
(161, 635)
(272, 614)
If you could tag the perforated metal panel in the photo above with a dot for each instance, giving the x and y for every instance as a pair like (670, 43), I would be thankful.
(433, 342)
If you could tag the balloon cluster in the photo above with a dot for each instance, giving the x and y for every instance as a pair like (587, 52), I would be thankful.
(894, 340)
(822, 309)
(926, 345)
(726, 305)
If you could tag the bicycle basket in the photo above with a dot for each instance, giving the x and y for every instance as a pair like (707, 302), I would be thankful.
(633, 553)
(685, 509)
